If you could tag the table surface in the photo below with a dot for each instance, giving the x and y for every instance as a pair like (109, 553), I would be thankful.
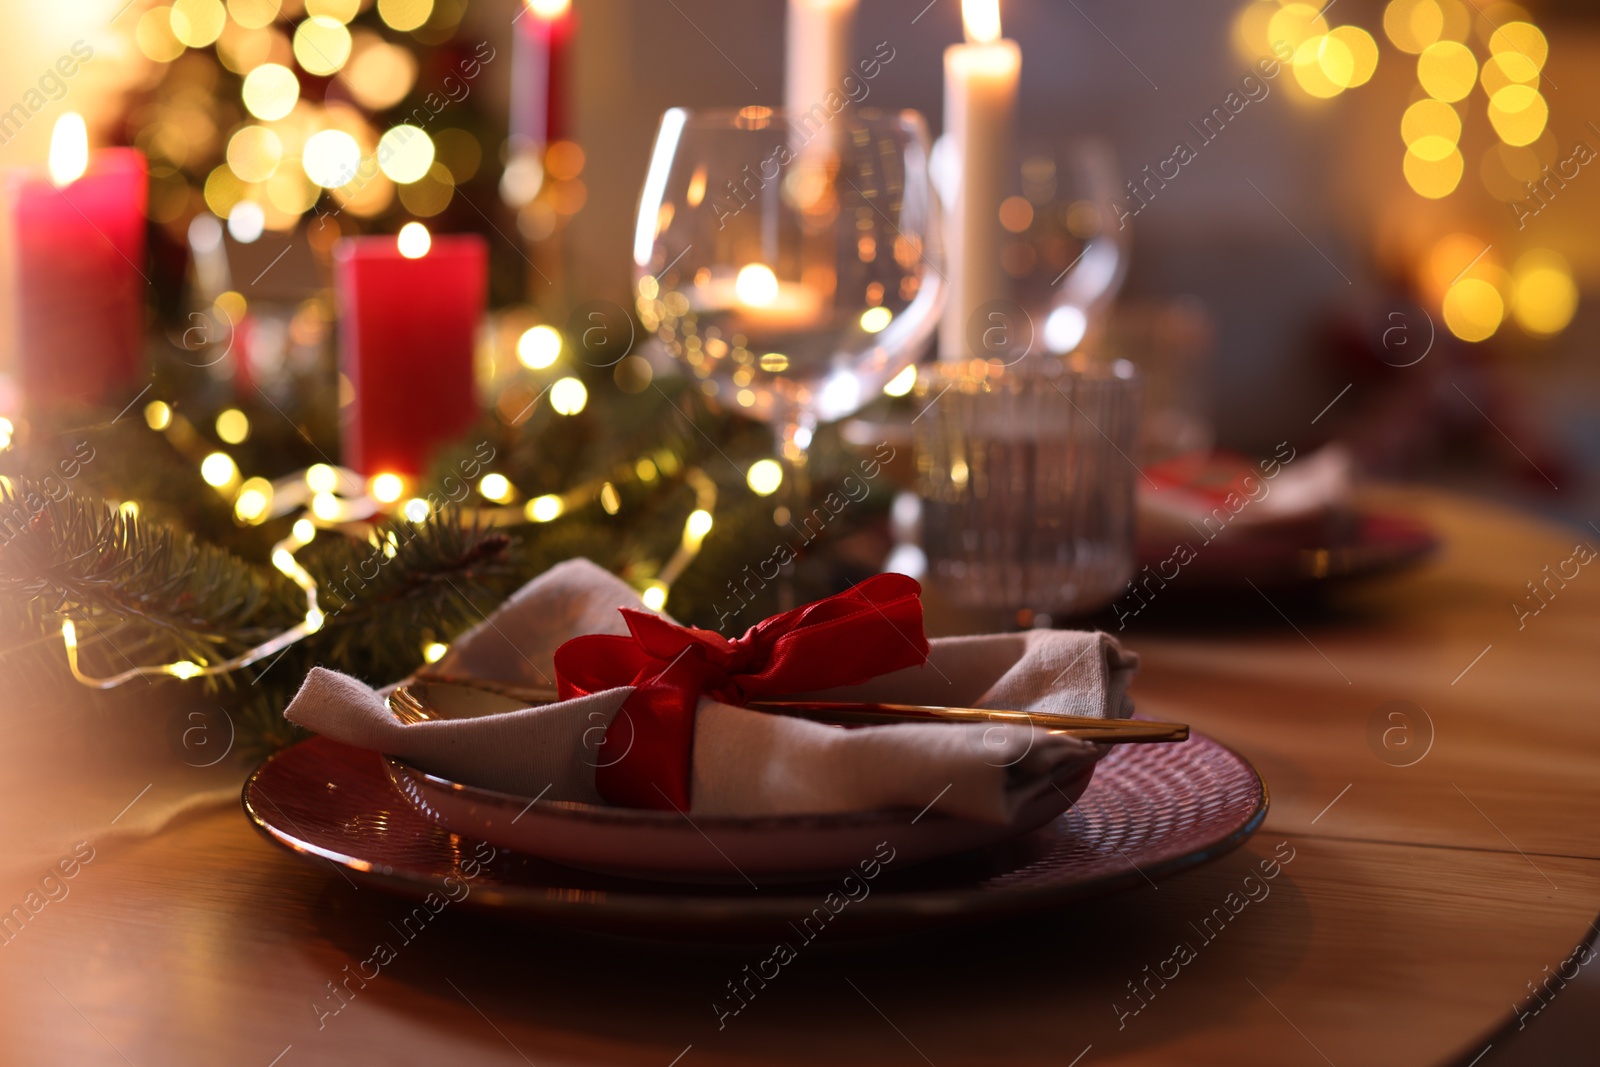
(1422, 902)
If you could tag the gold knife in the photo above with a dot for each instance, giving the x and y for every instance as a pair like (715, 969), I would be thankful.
(410, 704)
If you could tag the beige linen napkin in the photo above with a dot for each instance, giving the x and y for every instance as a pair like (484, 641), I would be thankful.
(747, 762)
(1298, 491)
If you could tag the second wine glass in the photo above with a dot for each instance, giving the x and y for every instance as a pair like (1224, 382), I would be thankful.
(790, 261)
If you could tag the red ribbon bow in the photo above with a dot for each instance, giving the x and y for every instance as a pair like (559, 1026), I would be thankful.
(871, 629)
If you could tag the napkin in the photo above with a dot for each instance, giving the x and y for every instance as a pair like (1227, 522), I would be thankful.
(746, 762)
(1211, 496)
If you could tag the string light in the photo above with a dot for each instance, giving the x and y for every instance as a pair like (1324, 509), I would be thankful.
(318, 487)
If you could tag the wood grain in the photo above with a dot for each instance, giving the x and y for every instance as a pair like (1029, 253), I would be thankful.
(1420, 904)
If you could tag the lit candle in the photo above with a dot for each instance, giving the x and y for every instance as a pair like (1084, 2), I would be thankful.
(980, 98)
(75, 257)
(818, 51)
(409, 310)
(541, 42)
(758, 301)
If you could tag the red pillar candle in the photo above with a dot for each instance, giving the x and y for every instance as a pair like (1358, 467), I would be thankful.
(540, 46)
(407, 329)
(76, 263)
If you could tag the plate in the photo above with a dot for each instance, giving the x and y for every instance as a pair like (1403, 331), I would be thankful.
(1149, 812)
(678, 847)
(1298, 556)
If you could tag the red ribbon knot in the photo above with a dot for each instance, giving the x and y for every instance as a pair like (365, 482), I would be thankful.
(644, 761)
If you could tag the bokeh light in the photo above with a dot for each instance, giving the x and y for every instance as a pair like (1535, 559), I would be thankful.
(246, 221)
(223, 190)
(1309, 72)
(568, 396)
(1507, 68)
(413, 240)
(876, 320)
(386, 488)
(496, 487)
(1447, 70)
(1433, 178)
(154, 35)
(330, 158)
(538, 347)
(404, 15)
(218, 469)
(1518, 114)
(1362, 52)
(1473, 309)
(1413, 25)
(198, 23)
(338, 10)
(270, 91)
(1430, 118)
(254, 14)
(1294, 24)
(380, 74)
(321, 45)
(254, 153)
(233, 426)
(764, 477)
(544, 508)
(1523, 39)
(405, 153)
(1544, 296)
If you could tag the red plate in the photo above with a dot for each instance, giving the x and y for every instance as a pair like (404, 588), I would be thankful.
(1302, 555)
(1150, 811)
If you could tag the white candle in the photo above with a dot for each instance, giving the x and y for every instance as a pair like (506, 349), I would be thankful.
(818, 53)
(980, 102)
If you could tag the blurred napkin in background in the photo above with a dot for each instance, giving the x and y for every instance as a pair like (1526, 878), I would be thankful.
(1220, 494)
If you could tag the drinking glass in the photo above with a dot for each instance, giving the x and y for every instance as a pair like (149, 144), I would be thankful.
(790, 261)
(1027, 483)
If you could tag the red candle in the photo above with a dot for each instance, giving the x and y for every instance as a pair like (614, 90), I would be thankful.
(409, 313)
(77, 268)
(540, 46)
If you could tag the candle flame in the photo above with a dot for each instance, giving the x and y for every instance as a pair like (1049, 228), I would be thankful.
(756, 285)
(549, 9)
(69, 150)
(981, 19)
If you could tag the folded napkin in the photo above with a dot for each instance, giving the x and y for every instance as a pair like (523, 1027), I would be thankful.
(746, 762)
(1207, 496)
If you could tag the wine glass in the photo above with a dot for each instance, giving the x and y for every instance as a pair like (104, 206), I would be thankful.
(790, 261)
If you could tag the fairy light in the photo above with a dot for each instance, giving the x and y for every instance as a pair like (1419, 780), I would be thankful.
(496, 487)
(322, 478)
(764, 477)
(545, 508)
(433, 652)
(386, 487)
(185, 669)
(695, 528)
(316, 489)
(218, 470)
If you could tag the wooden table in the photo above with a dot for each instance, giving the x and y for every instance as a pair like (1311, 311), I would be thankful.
(1421, 901)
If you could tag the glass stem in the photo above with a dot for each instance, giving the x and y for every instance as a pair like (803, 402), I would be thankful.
(795, 443)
